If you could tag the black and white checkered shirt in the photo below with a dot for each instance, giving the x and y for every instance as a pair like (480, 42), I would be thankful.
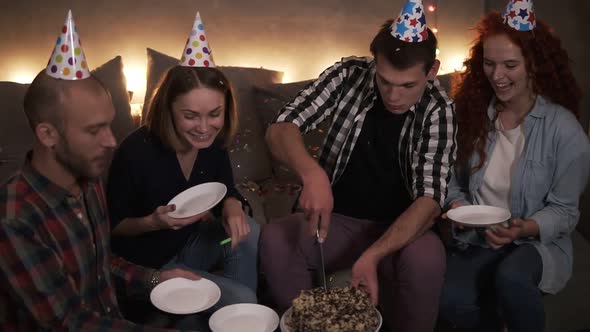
(345, 92)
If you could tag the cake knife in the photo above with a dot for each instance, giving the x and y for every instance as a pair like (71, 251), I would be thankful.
(323, 267)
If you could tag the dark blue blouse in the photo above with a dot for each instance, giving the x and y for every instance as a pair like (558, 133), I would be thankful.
(145, 174)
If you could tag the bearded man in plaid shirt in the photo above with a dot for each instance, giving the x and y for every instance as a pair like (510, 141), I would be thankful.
(56, 268)
(380, 181)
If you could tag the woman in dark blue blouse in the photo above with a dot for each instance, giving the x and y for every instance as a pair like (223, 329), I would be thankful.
(192, 117)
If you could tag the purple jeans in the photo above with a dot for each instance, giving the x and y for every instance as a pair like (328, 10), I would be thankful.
(289, 258)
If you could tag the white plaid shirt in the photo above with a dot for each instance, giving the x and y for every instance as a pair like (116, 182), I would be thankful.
(345, 92)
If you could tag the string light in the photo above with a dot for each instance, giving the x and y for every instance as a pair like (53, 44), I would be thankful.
(432, 8)
(452, 59)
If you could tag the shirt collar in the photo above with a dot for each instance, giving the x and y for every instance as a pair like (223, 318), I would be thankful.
(373, 76)
(50, 192)
(539, 110)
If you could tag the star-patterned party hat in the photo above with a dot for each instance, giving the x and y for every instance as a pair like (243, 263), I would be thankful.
(68, 61)
(410, 25)
(519, 15)
(197, 52)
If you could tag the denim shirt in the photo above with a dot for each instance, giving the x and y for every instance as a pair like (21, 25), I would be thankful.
(547, 181)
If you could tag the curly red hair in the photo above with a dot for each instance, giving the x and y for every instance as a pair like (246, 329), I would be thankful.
(547, 64)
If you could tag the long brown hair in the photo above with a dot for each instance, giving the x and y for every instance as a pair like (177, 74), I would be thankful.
(547, 64)
(177, 81)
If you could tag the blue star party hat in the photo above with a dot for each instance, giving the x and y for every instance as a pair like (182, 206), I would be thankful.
(410, 25)
(519, 15)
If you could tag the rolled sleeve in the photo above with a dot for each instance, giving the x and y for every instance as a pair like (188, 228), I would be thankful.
(458, 187)
(435, 155)
(136, 278)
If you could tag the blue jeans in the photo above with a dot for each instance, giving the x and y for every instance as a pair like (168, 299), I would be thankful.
(202, 253)
(486, 288)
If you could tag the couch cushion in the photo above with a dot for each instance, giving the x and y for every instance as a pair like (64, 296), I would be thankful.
(562, 310)
(270, 100)
(111, 75)
(584, 223)
(249, 154)
(250, 190)
(279, 198)
(16, 137)
(449, 81)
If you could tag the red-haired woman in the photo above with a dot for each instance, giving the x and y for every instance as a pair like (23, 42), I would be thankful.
(520, 147)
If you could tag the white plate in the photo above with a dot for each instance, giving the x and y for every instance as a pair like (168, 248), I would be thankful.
(197, 199)
(479, 215)
(244, 317)
(287, 315)
(185, 296)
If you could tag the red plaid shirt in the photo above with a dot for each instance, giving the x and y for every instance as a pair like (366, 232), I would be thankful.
(55, 261)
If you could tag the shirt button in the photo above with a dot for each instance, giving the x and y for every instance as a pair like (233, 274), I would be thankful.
(99, 277)
(108, 309)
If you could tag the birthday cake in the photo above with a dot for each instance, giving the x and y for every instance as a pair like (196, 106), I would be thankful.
(335, 310)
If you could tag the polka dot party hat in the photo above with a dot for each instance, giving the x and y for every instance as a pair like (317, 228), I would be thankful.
(197, 52)
(410, 25)
(519, 15)
(68, 61)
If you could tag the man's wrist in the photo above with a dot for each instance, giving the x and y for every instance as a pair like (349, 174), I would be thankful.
(232, 200)
(310, 173)
(372, 255)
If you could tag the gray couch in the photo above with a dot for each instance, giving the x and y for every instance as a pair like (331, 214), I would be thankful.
(270, 188)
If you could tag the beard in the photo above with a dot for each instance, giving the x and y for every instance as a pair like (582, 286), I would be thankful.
(75, 164)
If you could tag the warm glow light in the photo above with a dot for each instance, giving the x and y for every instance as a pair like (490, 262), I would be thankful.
(22, 76)
(135, 74)
(431, 8)
(452, 61)
(270, 63)
(456, 63)
(287, 77)
(435, 30)
(136, 109)
(292, 70)
(136, 114)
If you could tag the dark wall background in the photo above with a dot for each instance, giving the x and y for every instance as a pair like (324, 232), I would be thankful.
(301, 37)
